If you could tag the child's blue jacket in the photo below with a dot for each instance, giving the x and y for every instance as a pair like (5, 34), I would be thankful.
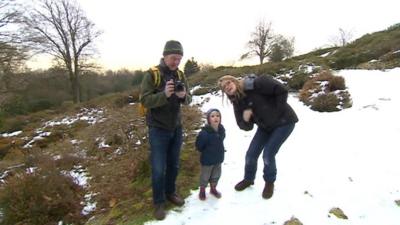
(211, 145)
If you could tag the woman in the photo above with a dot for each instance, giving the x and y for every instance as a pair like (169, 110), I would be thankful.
(262, 101)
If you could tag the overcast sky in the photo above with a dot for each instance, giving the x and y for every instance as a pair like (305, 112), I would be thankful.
(216, 31)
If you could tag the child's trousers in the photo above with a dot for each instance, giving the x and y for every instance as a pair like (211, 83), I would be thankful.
(210, 174)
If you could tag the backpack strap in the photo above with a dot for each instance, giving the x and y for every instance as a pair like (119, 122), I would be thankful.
(155, 72)
(181, 75)
(249, 82)
(156, 75)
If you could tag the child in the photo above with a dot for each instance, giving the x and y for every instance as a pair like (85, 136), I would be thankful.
(211, 146)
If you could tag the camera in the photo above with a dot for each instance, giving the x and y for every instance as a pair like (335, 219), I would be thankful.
(179, 86)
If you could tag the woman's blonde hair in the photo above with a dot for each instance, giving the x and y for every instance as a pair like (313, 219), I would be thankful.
(239, 93)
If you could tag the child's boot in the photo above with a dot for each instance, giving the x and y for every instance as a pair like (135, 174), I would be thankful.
(202, 193)
(214, 191)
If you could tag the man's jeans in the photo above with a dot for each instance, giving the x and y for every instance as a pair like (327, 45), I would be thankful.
(165, 147)
(269, 142)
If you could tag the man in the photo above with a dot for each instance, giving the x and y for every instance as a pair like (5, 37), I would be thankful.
(163, 119)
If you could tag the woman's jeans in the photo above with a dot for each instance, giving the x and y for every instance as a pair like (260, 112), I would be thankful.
(269, 142)
(165, 148)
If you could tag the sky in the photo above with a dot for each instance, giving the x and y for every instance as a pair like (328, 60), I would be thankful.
(347, 159)
(216, 32)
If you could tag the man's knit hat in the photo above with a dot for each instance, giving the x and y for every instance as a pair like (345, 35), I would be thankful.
(208, 113)
(173, 47)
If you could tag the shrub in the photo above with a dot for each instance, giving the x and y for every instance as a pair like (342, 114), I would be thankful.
(325, 103)
(121, 101)
(297, 81)
(66, 105)
(325, 93)
(134, 95)
(5, 146)
(336, 83)
(15, 106)
(45, 197)
(12, 124)
(40, 104)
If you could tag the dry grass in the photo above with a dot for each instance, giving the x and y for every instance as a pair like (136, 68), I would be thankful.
(114, 152)
(43, 196)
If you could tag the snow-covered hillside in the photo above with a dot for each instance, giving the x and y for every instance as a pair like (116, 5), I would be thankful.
(347, 160)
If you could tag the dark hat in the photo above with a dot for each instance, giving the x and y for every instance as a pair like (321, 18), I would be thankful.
(173, 47)
(208, 113)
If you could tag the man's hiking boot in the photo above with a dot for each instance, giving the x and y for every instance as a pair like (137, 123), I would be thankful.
(243, 185)
(214, 191)
(159, 211)
(202, 193)
(268, 190)
(175, 199)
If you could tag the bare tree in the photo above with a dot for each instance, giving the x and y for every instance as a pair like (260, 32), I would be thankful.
(12, 52)
(342, 38)
(261, 42)
(8, 15)
(61, 29)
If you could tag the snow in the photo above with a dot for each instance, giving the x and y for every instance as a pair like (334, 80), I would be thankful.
(80, 176)
(91, 116)
(16, 133)
(325, 54)
(347, 159)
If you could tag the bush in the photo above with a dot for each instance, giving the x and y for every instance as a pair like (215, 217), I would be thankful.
(325, 103)
(297, 81)
(40, 104)
(121, 101)
(12, 124)
(134, 95)
(5, 146)
(41, 198)
(325, 93)
(15, 106)
(336, 83)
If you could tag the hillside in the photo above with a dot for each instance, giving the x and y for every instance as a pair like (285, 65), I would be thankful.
(102, 146)
(379, 50)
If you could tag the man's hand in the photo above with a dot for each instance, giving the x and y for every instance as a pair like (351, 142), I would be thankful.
(247, 114)
(169, 88)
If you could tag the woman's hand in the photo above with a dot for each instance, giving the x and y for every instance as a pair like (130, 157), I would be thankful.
(247, 114)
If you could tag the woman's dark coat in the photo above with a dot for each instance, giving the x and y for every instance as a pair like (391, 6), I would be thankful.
(267, 98)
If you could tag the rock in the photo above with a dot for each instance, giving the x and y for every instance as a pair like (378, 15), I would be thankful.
(338, 213)
(293, 221)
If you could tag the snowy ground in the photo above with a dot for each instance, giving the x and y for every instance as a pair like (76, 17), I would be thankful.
(346, 159)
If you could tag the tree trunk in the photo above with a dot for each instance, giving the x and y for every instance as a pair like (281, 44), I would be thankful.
(75, 87)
